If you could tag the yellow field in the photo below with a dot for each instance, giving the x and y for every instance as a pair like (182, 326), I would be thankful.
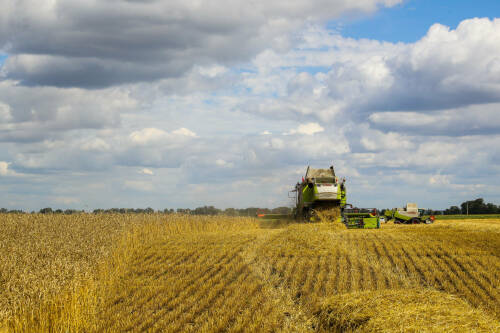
(178, 273)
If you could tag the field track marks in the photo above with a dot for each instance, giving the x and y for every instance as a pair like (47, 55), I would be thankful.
(164, 287)
(382, 279)
(153, 300)
(139, 299)
(188, 298)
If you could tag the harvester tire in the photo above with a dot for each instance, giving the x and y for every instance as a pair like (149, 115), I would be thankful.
(414, 221)
(308, 214)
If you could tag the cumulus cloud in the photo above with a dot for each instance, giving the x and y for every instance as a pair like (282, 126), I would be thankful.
(184, 132)
(103, 43)
(5, 115)
(146, 171)
(414, 119)
(307, 129)
(439, 180)
(148, 135)
(4, 168)
(468, 120)
(34, 114)
(224, 164)
(157, 136)
(446, 69)
(96, 144)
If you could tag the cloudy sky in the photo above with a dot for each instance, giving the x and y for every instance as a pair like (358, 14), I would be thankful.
(166, 104)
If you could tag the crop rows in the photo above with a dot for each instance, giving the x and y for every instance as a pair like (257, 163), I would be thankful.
(320, 263)
(172, 274)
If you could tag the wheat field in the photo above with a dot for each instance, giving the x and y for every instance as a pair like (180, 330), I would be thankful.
(176, 273)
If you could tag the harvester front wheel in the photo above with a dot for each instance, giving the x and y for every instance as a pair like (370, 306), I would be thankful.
(307, 215)
(414, 221)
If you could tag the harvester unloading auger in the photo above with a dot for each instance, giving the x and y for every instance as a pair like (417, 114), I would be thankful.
(320, 194)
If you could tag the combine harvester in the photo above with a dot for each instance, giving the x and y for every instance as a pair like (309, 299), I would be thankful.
(319, 191)
(408, 215)
(322, 195)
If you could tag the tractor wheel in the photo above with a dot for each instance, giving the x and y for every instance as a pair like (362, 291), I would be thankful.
(429, 221)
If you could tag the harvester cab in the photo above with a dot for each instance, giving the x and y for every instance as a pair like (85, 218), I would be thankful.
(320, 191)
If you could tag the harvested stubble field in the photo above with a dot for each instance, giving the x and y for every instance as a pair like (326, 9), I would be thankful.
(95, 273)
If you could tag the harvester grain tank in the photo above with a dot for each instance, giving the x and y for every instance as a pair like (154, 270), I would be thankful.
(320, 190)
(408, 215)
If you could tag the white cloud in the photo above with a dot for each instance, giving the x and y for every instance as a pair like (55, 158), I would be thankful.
(447, 69)
(5, 115)
(6, 171)
(378, 141)
(31, 114)
(439, 180)
(146, 171)
(4, 168)
(212, 71)
(148, 135)
(389, 118)
(473, 119)
(96, 144)
(184, 132)
(307, 129)
(224, 164)
(153, 135)
(164, 38)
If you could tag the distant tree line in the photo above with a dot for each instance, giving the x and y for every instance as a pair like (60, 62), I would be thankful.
(477, 206)
(205, 210)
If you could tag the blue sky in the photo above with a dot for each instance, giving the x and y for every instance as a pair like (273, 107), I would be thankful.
(2, 58)
(409, 21)
(172, 118)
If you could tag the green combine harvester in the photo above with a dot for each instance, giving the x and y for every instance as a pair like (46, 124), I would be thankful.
(322, 195)
(319, 191)
(408, 215)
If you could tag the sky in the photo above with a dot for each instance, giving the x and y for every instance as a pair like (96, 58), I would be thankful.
(181, 104)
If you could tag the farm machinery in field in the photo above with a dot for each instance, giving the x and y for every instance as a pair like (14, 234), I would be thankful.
(408, 215)
(361, 218)
(320, 193)
(322, 196)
